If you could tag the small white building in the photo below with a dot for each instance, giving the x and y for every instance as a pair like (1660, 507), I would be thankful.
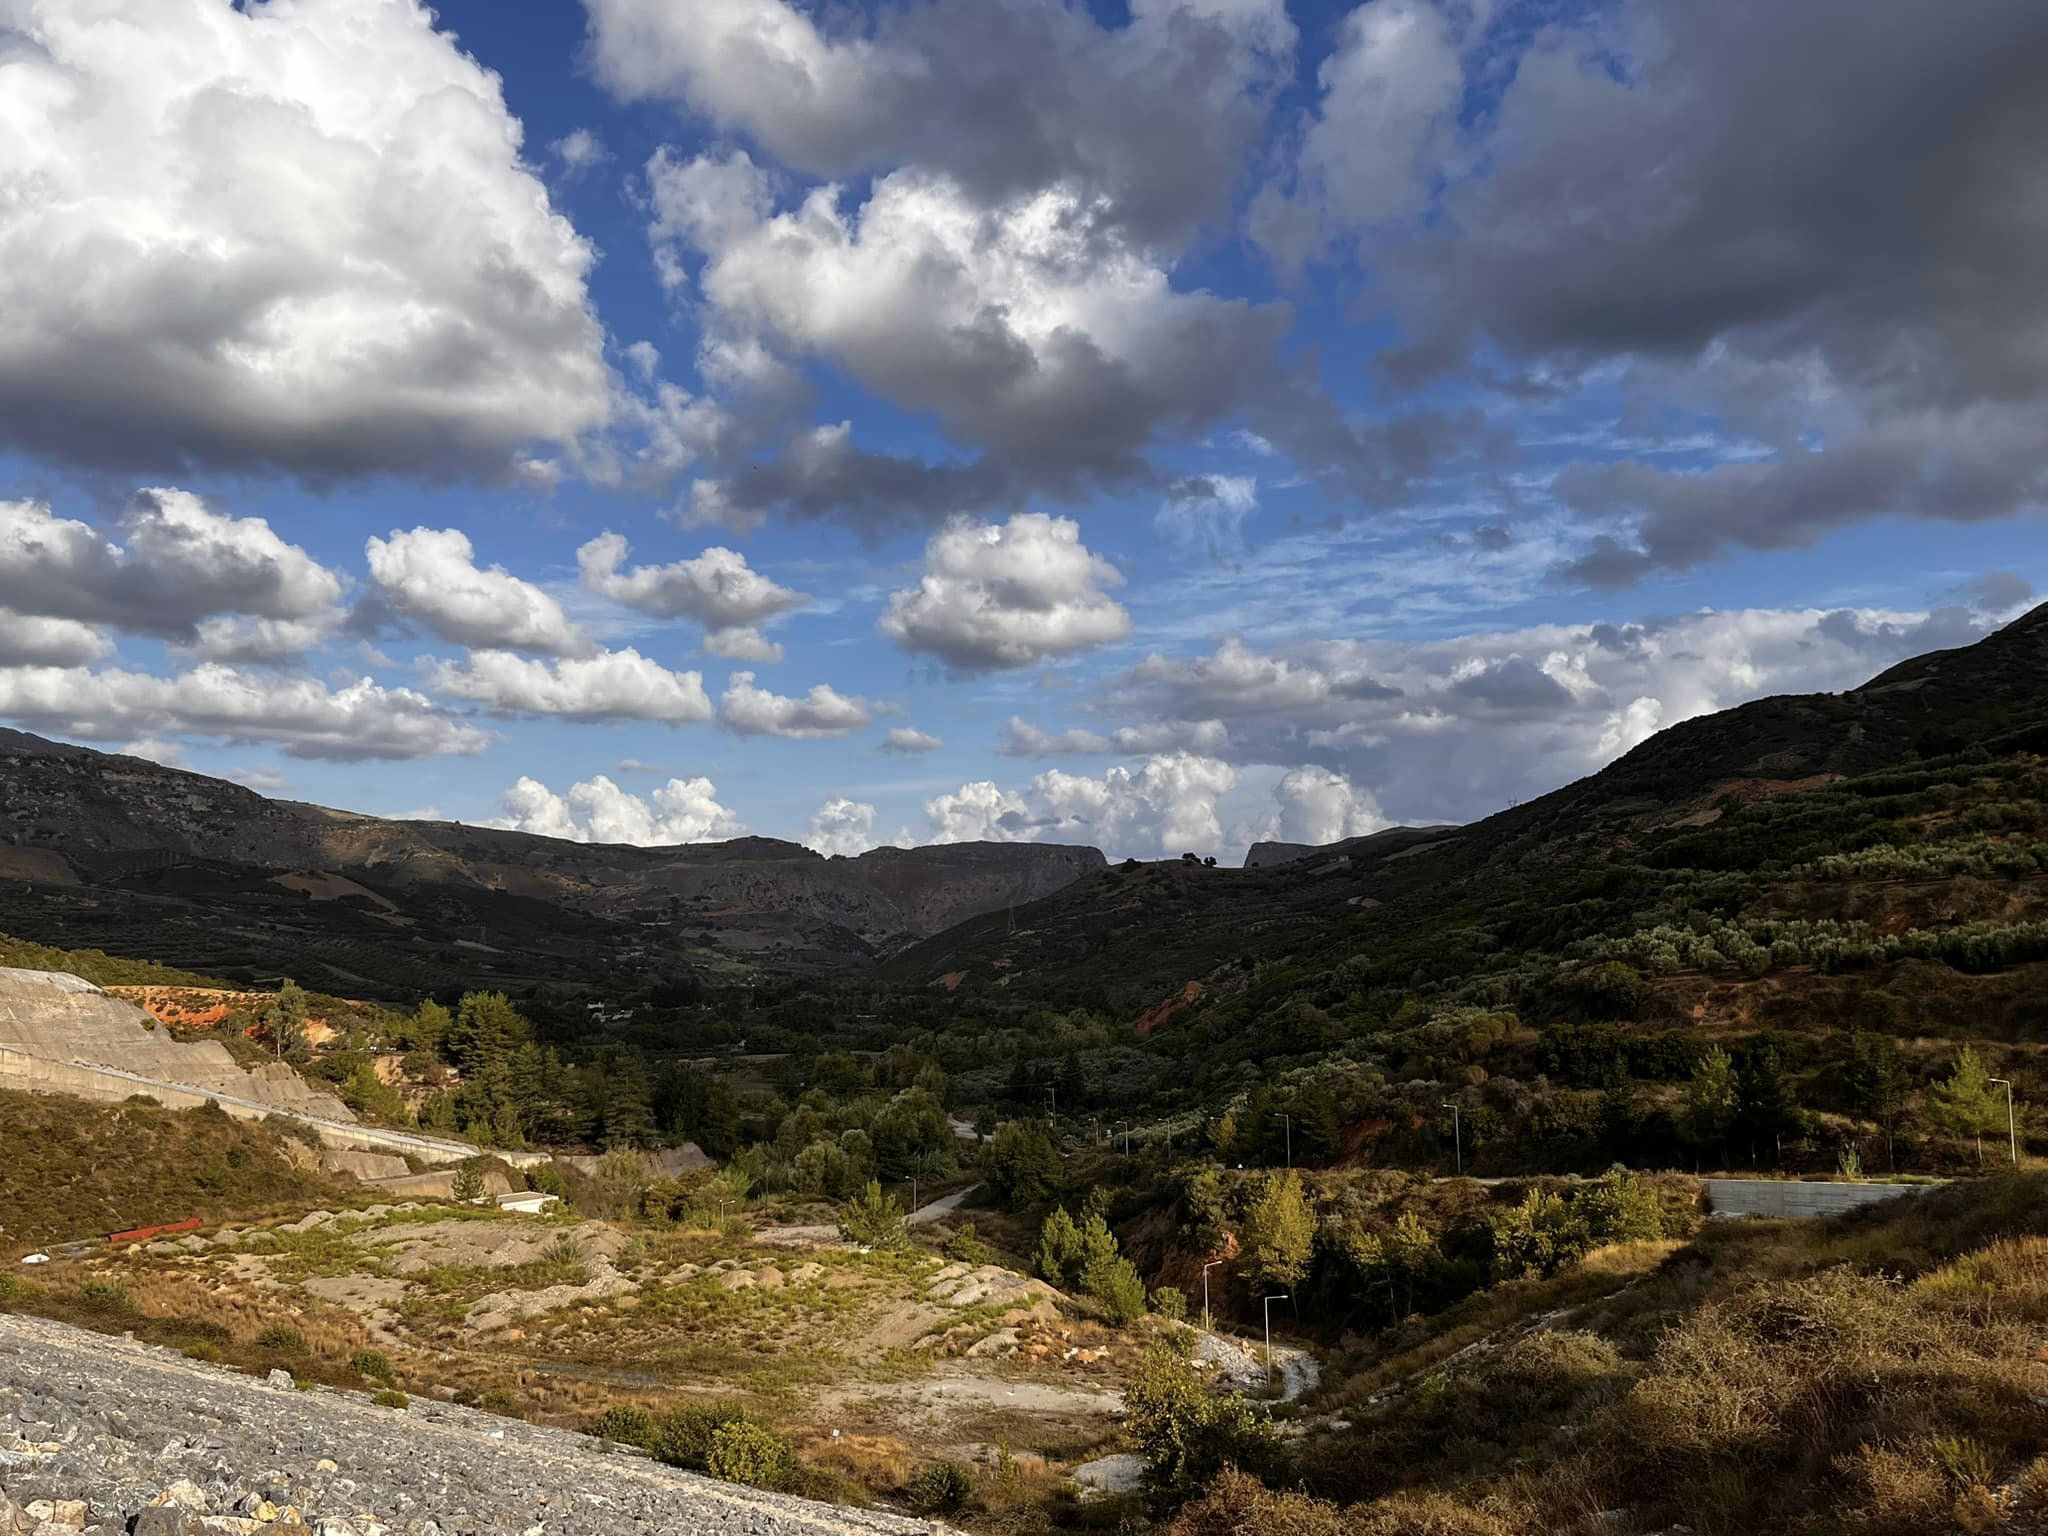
(527, 1202)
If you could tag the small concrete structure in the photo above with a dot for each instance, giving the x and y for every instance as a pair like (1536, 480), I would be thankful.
(528, 1202)
(1788, 1198)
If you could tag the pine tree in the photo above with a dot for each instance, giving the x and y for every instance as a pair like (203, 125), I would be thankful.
(1876, 1084)
(1279, 1233)
(1710, 1100)
(1764, 1105)
(1963, 1103)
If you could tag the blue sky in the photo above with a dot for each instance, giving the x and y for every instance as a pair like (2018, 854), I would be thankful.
(1161, 426)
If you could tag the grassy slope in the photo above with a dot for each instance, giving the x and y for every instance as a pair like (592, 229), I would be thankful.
(70, 1170)
(1879, 1373)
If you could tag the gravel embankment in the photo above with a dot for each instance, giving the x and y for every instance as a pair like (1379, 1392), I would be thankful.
(149, 1440)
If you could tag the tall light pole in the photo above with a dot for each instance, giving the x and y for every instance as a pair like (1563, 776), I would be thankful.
(2012, 1124)
(1269, 1334)
(1457, 1136)
(1208, 1321)
(1287, 1122)
(1052, 1103)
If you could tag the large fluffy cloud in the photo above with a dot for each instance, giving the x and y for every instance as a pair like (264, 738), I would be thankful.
(1154, 115)
(1008, 595)
(821, 715)
(291, 233)
(842, 828)
(612, 685)
(598, 811)
(1164, 805)
(1320, 806)
(177, 567)
(357, 722)
(717, 589)
(430, 575)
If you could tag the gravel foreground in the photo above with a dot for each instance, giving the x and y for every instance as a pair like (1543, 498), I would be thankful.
(107, 1435)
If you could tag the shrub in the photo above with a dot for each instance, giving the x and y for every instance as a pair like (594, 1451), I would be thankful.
(874, 1220)
(966, 1246)
(745, 1452)
(371, 1364)
(1187, 1436)
(209, 1353)
(1171, 1303)
(940, 1488)
(12, 1286)
(106, 1294)
(499, 1400)
(390, 1397)
(283, 1338)
(684, 1437)
(626, 1426)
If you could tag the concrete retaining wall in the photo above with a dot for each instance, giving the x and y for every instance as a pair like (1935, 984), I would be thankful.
(1787, 1198)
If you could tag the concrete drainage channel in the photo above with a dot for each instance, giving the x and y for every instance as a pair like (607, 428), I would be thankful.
(1789, 1198)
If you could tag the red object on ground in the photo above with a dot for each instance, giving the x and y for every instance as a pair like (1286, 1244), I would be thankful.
(143, 1234)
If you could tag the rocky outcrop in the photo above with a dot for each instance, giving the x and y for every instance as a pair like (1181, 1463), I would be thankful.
(67, 1035)
(1265, 855)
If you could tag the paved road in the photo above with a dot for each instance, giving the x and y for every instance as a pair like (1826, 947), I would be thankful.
(113, 1422)
(946, 1205)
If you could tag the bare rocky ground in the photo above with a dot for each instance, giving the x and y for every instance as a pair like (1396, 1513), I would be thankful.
(107, 1435)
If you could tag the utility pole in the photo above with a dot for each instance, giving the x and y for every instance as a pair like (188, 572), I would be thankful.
(1208, 1319)
(1269, 1334)
(2012, 1124)
(1457, 1136)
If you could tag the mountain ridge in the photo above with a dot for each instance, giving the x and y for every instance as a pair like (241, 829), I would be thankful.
(151, 837)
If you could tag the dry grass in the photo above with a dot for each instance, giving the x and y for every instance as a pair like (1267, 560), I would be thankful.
(1880, 1374)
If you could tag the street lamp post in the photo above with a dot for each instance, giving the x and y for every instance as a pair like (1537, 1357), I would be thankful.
(1457, 1135)
(1208, 1320)
(1287, 1122)
(1052, 1103)
(1269, 1334)
(2012, 1124)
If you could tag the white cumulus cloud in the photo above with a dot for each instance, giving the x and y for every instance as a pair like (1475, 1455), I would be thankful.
(358, 722)
(842, 827)
(612, 685)
(290, 234)
(430, 575)
(821, 715)
(717, 589)
(598, 811)
(176, 569)
(1006, 595)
